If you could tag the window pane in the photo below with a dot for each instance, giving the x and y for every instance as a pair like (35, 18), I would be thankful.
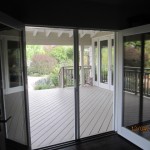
(145, 107)
(112, 61)
(96, 59)
(96, 103)
(137, 84)
(132, 71)
(51, 85)
(104, 61)
(14, 63)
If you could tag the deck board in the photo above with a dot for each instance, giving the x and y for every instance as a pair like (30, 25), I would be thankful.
(101, 118)
(52, 114)
(91, 117)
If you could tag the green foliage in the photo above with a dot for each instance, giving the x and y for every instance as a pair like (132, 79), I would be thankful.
(63, 54)
(135, 44)
(47, 60)
(104, 61)
(54, 79)
(32, 50)
(133, 54)
(54, 75)
(47, 83)
(86, 57)
(147, 53)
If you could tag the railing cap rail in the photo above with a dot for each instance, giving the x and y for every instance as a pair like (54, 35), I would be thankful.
(128, 67)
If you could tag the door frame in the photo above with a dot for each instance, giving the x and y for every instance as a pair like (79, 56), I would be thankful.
(15, 24)
(129, 135)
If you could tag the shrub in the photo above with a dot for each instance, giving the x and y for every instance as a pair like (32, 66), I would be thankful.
(41, 64)
(43, 84)
(54, 79)
(47, 83)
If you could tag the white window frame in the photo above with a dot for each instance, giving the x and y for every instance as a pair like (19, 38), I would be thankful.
(7, 88)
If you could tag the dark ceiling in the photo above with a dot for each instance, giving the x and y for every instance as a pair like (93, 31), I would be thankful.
(96, 14)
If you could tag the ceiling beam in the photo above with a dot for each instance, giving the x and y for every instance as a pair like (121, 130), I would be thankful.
(93, 33)
(60, 33)
(35, 32)
(70, 34)
(48, 33)
(82, 33)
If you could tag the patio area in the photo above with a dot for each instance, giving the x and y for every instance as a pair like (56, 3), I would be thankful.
(52, 114)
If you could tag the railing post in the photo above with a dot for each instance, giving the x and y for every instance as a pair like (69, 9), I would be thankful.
(136, 79)
(62, 82)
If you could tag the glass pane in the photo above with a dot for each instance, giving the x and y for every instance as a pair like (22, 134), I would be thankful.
(50, 85)
(96, 103)
(104, 61)
(96, 59)
(137, 84)
(87, 63)
(112, 61)
(144, 126)
(132, 71)
(14, 63)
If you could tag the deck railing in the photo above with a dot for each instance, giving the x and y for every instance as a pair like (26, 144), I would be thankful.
(66, 75)
(132, 80)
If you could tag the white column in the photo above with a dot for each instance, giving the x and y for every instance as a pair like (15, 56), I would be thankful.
(90, 54)
(82, 65)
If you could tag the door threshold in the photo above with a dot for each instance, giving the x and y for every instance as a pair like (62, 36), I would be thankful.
(76, 142)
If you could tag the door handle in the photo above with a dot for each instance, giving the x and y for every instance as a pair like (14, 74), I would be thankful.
(4, 121)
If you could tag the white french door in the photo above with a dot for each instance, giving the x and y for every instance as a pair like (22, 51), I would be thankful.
(132, 85)
(103, 60)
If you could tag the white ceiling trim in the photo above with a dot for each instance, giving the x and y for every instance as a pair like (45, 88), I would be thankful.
(59, 32)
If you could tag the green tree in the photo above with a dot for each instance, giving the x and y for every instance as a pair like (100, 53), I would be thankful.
(147, 53)
(32, 50)
(63, 54)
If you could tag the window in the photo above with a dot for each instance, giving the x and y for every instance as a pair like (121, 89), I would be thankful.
(14, 63)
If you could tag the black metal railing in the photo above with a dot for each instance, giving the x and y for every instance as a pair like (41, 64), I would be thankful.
(66, 75)
(132, 80)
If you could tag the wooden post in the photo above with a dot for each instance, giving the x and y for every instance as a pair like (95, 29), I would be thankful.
(62, 77)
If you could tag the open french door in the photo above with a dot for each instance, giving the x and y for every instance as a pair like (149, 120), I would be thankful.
(133, 85)
(13, 96)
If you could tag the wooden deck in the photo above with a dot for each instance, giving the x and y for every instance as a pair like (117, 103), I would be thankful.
(52, 114)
